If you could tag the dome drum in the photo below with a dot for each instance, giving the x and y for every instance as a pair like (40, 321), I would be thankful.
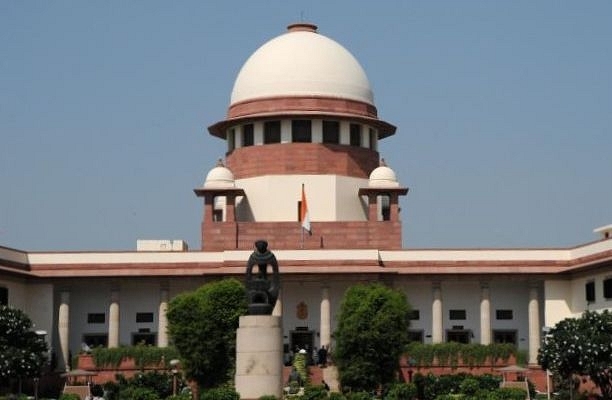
(302, 158)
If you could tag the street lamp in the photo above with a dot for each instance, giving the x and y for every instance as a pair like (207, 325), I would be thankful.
(545, 331)
(41, 334)
(174, 364)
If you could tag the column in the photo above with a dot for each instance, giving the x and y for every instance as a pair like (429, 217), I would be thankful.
(436, 314)
(372, 207)
(325, 327)
(485, 314)
(162, 327)
(278, 307)
(534, 324)
(393, 207)
(63, 324)
(113, 320)
(230, 210)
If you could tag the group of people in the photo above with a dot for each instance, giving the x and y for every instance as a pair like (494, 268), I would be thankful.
(321, 357)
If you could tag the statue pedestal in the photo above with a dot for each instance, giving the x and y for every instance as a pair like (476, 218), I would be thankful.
(259, 357)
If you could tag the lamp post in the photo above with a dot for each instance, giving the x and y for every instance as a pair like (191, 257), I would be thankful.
(41, 334)
(174, 364)
(545, 331)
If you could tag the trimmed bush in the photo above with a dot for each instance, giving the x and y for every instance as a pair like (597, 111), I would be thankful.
(219, 394)
(316, 392)
(402, 391)
(69, 396)
(138, 393)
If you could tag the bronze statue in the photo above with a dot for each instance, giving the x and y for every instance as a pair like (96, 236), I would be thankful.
(262, 291)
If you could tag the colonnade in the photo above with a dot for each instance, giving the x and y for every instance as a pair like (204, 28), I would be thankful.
(325, 323)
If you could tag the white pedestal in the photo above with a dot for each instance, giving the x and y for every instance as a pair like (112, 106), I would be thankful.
(259, 357)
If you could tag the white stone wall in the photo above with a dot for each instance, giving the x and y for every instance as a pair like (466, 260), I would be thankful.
(275, 198)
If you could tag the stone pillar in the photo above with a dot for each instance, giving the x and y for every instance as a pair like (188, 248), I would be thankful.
(63, 325)
(230, 208)
(372, 207)
(534, 324)
(393, 207)
(485, 314)
(162, 323)
(259, 357)
(436, 315)
(325, 328)
(278, 307)
(113, 320)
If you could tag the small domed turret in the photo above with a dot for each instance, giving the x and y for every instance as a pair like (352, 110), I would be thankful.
(383, 177)
(220, 177)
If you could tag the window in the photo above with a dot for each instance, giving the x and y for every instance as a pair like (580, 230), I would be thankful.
(607, 288)
(143, 317)
(3, 296)
(501, 336)
(217, 216)
(145, 338)
(301, 131)
(456, 314)
(272, 132)
(247, 135)
(459, 336)
(331, 132)
(355, 135)
(96, 318)
(415, 336)
(96, 339)
(414, 315)
(503, 314)
(589, 290)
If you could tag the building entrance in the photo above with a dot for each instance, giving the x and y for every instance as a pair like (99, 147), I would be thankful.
(302, 339)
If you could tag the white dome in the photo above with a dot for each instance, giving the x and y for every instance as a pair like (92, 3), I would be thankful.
(302, 62)
(220, 177)
(383, 177)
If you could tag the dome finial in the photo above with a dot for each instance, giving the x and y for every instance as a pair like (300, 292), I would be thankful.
(220, 163)
(382, 163)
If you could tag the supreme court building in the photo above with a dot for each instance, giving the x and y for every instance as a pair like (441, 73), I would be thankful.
(313, 130)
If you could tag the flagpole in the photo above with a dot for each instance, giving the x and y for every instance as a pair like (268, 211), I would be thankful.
(301, 216)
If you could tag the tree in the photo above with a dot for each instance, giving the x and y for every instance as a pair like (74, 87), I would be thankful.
(203, 326)
(581, 346)
(371, 336)
(23, 353)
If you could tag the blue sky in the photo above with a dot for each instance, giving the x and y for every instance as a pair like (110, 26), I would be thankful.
(503, 109)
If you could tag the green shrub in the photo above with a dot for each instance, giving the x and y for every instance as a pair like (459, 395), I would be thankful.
(268, 397)
(509, 394)
(160, 383)
(301, 366)
(69, 396)
(469, 386)
(180, 396)
(219, 394)
(315, 392)
(336, 396)
(451, 397)
(402, 391)
(138, 393)
(359, 396)
(142, 355)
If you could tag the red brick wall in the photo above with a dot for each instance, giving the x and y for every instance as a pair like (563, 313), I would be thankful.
(302, 158)
(385, 235)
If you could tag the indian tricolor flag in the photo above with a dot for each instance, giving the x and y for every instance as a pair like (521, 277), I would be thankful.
(304, 215)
